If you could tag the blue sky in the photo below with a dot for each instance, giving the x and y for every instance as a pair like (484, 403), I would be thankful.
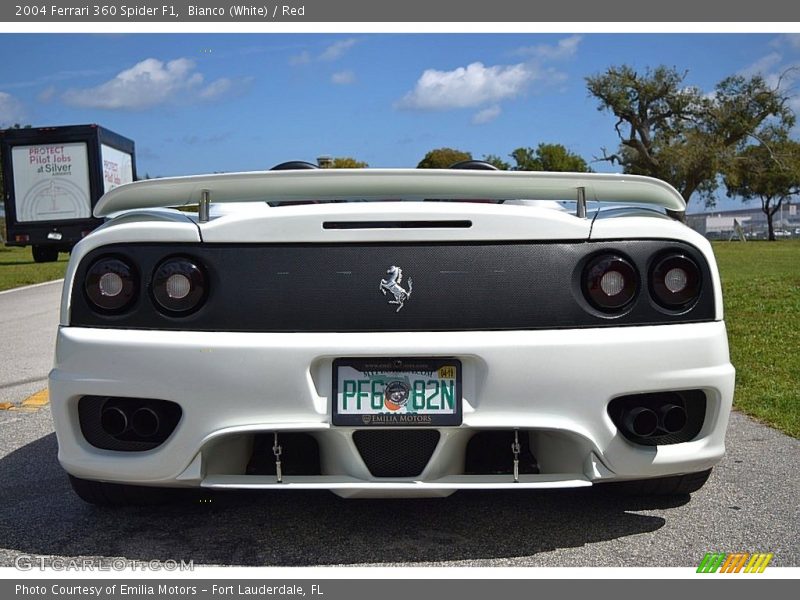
(197, 103)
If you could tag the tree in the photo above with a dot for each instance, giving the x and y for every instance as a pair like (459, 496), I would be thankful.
(548, 157)
(346, 162)
(442, 158)
(496, 161)
(674, 132)
(769, 171)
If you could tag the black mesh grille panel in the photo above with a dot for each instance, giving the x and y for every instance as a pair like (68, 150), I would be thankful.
(338, 288)
(393, 453)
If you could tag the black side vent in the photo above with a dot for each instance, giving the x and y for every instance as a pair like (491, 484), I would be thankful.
(299, 454)
(490, 453)
(396, 453)
(127, 424)
(397, 224)
(661, 418)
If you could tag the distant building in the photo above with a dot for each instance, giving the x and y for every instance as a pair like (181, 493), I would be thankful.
(717, 225)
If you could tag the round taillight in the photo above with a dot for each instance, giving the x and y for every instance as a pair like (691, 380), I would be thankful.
(610, 282)
(675, 281)
(179, 286)
(111, 284)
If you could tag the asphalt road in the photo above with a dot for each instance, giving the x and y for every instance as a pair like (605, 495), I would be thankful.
(749, 504)
(28, 323)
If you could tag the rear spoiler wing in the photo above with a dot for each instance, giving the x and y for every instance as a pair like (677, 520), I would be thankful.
(389, 184)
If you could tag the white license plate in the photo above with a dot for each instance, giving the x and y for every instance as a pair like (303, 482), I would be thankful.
(394, 392)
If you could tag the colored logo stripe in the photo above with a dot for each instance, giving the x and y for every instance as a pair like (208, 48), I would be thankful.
(711, 562)
(758, 563)
(734, 563)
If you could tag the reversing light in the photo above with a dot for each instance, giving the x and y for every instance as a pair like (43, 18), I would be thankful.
(111, 284)
(610, 282)
(179, 286)
(675, 281)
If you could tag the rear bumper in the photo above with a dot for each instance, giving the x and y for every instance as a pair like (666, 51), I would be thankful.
(554, 386)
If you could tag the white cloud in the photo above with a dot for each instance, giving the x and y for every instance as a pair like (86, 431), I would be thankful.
(216, 88)
(11, 110)
(787, 39)
(565, 48)
(47, 94)
(337, 49)
(343, 77)
(779, 71)
(53, 77)
(477, 85)
(466, 87)
(215, 138)
(300, 59)
(763, 65)
(486, 115)
(149, 83)
(793, 39)
(332, 52)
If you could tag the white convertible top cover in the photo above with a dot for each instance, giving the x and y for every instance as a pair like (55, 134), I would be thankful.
(389, 184)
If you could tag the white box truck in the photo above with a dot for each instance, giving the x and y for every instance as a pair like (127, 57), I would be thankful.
(53, 177)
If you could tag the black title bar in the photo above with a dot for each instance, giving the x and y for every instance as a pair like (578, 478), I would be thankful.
(333, 11)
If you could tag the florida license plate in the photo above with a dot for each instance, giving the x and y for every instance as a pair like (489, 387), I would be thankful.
(396, 392)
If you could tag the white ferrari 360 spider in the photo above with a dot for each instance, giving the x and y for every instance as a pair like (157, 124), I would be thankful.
(390, 333)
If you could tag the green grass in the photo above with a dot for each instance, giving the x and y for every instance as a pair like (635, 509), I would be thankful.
(17, 267)
(761, 289)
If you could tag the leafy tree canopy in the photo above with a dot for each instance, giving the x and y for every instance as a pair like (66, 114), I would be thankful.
(768, 171)
(675, 132)
(548, 157)
(442, 158)
(347, 162)
(496, 161)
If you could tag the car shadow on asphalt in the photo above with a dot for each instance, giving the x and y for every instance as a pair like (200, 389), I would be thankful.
(40, 515)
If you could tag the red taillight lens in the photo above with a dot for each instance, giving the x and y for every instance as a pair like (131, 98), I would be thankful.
(675, 281)
(179, 286)
(610, 282)
(111, 284)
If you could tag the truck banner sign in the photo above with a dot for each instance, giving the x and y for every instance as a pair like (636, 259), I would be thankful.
(51, 182)
(117, 167)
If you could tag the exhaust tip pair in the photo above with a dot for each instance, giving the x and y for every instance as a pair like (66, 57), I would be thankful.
(659, 418)
(645, 422)
(144, 422)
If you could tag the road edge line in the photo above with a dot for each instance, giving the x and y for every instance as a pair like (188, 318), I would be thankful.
(31, 286)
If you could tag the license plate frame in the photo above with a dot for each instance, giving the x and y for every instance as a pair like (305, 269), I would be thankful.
(386, 371)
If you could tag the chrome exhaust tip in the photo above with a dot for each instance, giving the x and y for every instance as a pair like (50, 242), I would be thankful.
(114, 421)
(145, 422)
(671, 418)
(641, 421)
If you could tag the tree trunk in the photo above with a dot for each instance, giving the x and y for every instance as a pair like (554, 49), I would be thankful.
(770, 227)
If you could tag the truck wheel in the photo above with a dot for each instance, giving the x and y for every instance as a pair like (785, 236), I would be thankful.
(101, 493)
(43, 254)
